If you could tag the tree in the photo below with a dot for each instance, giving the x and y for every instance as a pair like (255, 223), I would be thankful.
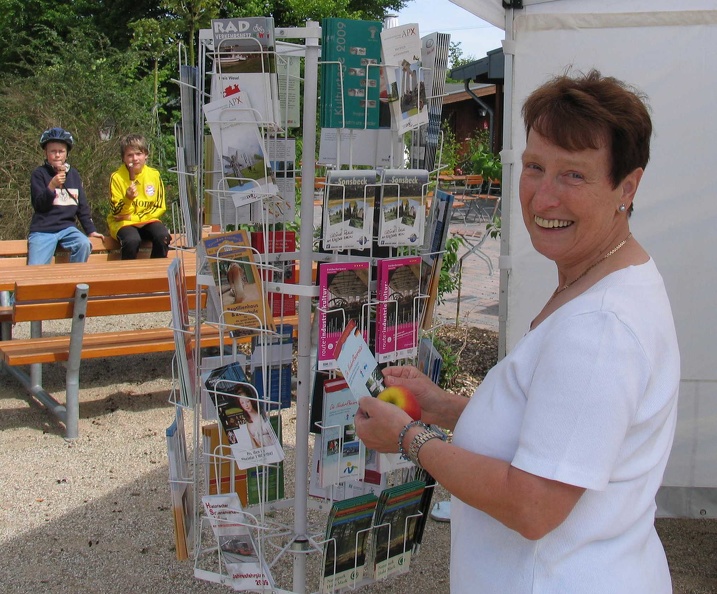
(294, 13)
(79, 86)
(456, 58)
(152, 41)
(79, 63)
(188, 17)
(21, 21)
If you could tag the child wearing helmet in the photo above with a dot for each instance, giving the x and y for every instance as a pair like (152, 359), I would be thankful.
(59, 201)
(137, 201)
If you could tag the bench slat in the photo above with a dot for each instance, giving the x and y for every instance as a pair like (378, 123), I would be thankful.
(107, 344)
(15, 263)
(121, 278)
(60, 310)
(18, 247)
(13, 247)
(12, 269)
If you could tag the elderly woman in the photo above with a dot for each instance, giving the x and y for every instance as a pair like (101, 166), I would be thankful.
(556, 459)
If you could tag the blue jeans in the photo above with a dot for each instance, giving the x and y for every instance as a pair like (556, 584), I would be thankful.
(41, 246)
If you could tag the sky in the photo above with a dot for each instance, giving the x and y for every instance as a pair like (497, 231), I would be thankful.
(476, 36)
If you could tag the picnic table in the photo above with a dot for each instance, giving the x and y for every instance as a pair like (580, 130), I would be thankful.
(75, 291)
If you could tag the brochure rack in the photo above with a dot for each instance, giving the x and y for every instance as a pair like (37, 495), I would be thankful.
(245, 522)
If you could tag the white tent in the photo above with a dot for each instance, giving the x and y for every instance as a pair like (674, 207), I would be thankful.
(669, 50)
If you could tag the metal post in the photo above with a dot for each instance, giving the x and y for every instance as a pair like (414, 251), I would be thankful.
(303, 390)
(36, 368)
(72, 378)
(460, 284)
(6, 329)
(506, 185)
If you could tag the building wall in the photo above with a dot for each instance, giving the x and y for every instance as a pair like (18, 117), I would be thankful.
(465, 115)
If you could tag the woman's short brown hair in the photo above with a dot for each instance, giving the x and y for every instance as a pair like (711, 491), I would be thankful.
(136, 141)
(589, 111)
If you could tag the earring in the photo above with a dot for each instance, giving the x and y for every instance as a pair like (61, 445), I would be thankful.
(622, 208)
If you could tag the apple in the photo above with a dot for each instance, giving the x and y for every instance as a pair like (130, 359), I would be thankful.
(402, 398)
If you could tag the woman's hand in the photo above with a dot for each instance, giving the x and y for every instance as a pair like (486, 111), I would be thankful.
(379, 423)
(438, 407)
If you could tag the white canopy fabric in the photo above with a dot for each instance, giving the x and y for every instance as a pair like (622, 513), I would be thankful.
(669, 53)
(493, 11)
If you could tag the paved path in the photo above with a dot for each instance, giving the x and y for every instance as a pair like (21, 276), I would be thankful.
(479, 289)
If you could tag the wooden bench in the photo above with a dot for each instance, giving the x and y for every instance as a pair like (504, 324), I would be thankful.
(75, 291)
(13, 256)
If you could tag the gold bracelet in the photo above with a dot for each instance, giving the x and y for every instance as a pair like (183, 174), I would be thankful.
(419, 440)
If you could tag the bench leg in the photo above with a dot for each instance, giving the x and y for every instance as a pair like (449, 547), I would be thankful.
(5, 327)
(69, 413)
(72, 377)
(52, 405)
(36, 368)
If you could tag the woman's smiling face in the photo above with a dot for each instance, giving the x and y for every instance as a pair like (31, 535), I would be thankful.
(569, 205)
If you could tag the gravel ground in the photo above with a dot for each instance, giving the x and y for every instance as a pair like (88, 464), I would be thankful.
(94, 516)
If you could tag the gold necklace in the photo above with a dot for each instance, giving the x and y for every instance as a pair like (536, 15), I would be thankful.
(589, 268)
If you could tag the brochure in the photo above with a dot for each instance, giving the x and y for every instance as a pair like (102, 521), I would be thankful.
(432, 252)
(357, 364)
(403, 207)
(430, 360)
(435, 49)
(349, 198)
(346, 540)
(266, 483)
(378, 147)
(251, 437)
(233, 531)
(343, 296)
(271, 361)
(284, 271)
(342, 453)
(279, 207)
(246, 175)
(245, 59)
(236, 294)
(401, 48)
(372, 482)
(184, 348)
(395, 520)
(398, 308)
(180, 486)
(221, 474)
(288, 72)
(351, 52)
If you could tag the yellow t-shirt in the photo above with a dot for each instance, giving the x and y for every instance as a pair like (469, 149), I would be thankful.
(148, 206)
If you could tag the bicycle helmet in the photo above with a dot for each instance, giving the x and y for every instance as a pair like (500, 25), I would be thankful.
(57, 135)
